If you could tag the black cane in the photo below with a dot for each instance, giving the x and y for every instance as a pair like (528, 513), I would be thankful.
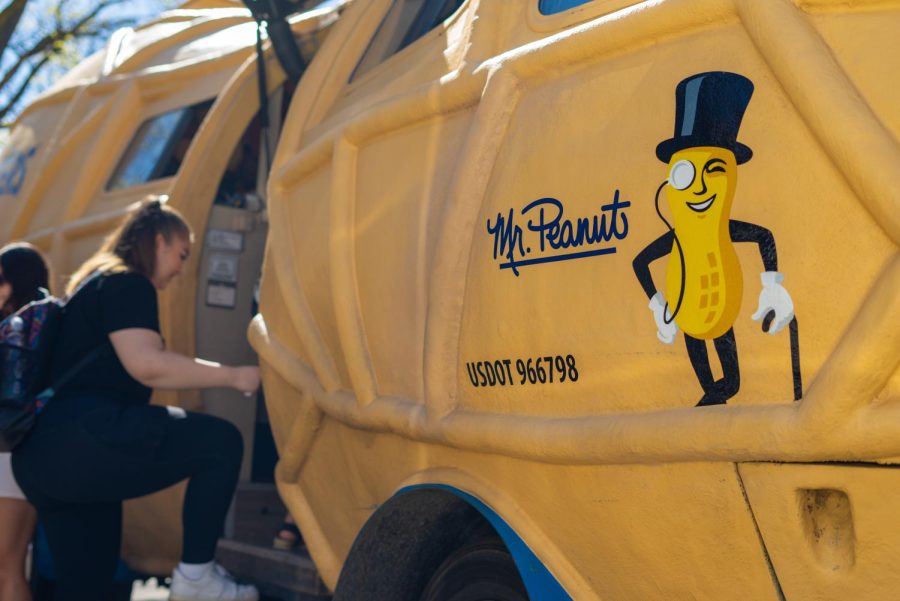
(795, 351)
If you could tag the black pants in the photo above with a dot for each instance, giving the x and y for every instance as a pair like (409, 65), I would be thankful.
(86, 456)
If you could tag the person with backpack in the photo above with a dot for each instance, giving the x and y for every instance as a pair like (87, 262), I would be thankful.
(24, 277)
(99, 441)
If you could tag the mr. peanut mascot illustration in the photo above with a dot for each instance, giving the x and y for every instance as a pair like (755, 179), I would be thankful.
(704, 283)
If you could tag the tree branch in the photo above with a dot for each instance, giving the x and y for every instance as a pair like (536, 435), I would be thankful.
(59, 37)
(23, 86)
(9, 20)
(48, 44)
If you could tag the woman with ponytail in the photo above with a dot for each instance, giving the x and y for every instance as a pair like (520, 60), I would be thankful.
(99, 441)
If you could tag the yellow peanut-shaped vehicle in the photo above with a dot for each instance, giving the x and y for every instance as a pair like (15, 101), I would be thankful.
(470, 205)
(467, 389)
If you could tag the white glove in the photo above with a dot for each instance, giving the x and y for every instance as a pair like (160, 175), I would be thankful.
(664, 331)
(774, 298)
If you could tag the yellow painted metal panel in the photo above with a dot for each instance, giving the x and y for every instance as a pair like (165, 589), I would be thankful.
(395, 224)
(281, 322)
(891, 392)
(583, 163)
(864, 44)
(533, 95)
(832, 531)
(650, 532)
(146, 37)
(22, 159)
(438, 52)
(178, 43)
(307, 258)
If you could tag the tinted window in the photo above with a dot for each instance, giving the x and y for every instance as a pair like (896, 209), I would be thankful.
(405, 22)
(158, 147)
(551, 7)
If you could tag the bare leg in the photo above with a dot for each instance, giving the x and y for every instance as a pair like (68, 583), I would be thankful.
(17, 520)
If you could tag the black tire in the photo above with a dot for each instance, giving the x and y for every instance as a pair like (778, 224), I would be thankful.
(482, 571)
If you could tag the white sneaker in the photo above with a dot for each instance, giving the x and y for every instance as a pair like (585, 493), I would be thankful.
(216, 585)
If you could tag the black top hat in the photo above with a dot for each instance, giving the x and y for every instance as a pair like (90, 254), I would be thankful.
(709, 109)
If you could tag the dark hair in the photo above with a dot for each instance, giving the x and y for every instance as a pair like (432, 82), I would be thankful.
(26, 271)
(132, 247)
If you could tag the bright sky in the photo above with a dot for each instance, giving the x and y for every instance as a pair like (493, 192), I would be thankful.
(38, 14)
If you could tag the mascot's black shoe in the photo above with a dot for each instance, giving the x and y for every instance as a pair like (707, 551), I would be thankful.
(709, 400)
(720, 391)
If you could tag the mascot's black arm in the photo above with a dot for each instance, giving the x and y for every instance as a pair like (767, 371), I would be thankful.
(656, 249)
(741, 231)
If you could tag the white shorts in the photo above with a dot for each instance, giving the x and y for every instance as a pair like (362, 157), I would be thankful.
(8, 487)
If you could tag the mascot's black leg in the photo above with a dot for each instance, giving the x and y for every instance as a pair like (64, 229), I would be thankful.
(719, 391)
(726, 347)
(700, 362)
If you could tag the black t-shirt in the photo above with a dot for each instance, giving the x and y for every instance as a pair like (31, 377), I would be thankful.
(104, 304)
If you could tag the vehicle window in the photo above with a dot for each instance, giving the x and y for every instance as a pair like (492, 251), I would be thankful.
(551, 7)
(405, 22)
(158, 146)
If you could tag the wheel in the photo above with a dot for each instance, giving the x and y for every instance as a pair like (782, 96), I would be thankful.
(483, 571)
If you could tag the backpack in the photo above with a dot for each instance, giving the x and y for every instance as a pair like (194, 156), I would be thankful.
(26, 341)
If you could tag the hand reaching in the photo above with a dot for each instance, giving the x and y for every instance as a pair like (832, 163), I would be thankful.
(246, 379)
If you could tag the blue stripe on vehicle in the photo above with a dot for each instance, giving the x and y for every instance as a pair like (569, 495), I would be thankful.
(539, 582)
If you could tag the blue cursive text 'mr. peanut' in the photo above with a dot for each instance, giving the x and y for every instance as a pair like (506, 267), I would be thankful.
(554, 232)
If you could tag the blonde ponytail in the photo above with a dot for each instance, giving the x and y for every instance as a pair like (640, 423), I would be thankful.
(132, 246)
